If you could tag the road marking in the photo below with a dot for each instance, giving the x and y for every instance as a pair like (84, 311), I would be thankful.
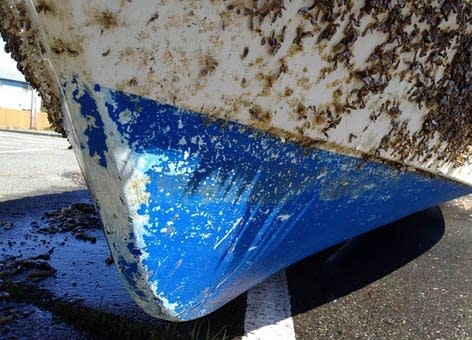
(15, 143)
(32, 141)
(26, 137)
(268, 312)
(24, 143)
(25, 150)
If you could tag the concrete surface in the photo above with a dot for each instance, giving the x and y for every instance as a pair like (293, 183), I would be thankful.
(409, 280)
(31, 165)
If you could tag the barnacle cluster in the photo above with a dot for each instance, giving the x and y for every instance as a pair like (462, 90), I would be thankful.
(420, 38)
(426, 47)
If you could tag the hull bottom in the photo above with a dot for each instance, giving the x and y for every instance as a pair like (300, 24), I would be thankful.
(196, 212)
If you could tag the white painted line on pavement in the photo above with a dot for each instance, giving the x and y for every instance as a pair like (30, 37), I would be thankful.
(268, 312)
(23, 143)
(25, 150)
(32, 141)
(10, 136)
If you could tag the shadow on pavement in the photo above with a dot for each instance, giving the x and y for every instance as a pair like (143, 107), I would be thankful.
(85, 292)
(27, 205)
(339, 271)
(313, 282)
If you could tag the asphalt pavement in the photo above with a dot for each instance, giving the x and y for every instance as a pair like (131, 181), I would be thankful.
(409, 280)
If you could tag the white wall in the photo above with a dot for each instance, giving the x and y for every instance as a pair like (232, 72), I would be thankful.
(15, 97)
(8, 68)
(14, 94)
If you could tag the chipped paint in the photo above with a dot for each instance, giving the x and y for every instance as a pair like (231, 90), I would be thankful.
(226, 143)
(225, 202)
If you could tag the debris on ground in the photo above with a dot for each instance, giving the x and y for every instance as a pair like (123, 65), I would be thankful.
(4, 295)
(76, 219)
(81, 235)
(6, 225)
(461, 208)
(36, 268)
(8, 314)
(109, 260)
(45, 313)
(464, 202)
(27, 321)
(76, 177)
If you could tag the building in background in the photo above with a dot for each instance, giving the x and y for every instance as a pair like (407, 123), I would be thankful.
(20, 105)
(18, 95)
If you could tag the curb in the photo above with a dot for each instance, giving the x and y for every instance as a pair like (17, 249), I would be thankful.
(33, 132)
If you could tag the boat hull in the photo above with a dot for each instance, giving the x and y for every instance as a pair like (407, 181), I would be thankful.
(223, 142)
(198, 211)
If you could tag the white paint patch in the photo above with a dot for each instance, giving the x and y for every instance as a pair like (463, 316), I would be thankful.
(283, 217)
(268, 313)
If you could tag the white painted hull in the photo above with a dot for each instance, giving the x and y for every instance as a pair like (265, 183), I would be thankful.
(342, 77)
(238, 138)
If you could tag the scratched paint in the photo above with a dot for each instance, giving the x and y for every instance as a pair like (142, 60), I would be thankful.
(210, 209)
(381, 80)
(222, 151)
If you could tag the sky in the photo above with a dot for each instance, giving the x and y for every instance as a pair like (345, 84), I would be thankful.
(8, 68)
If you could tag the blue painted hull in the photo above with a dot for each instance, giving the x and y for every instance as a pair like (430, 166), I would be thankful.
(224, 206)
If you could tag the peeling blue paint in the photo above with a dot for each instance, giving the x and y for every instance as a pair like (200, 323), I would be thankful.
(95, 130)
(228, 206)
(131, 272)
(133, 249)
